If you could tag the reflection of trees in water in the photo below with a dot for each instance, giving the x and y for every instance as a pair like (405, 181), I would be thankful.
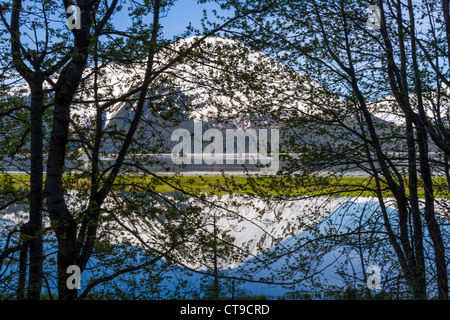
(17, 213)
(341, 246)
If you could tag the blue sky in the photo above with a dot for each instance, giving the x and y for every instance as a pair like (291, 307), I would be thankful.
(180, 15)
(183, 12)
(174, 23)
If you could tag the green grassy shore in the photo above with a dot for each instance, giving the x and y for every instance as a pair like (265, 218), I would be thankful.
(274, 186)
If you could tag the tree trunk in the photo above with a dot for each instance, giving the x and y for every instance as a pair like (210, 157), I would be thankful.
(66, 234)
(23, 257)
(417, 237)
(58, 211)
(425, 171)
(430, 218)
(36, 195)
(32, 235)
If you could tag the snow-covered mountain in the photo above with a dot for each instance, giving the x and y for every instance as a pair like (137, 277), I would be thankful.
(217, 79)
(222, 83)
(436, 105)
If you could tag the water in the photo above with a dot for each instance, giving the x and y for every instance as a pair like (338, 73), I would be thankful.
(332, 251)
